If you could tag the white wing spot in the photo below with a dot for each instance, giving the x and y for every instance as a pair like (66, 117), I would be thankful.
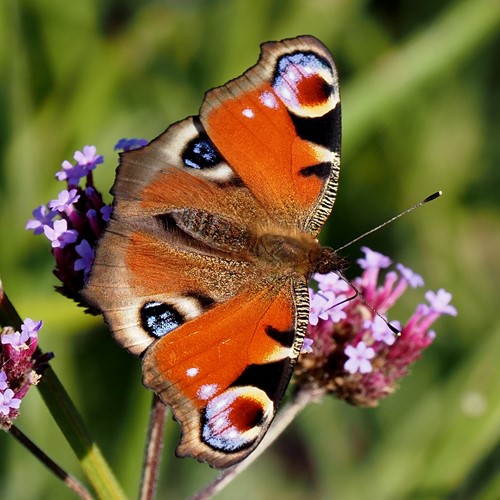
(206, 391)
(192, 372)
(268, 100)
(248, 113)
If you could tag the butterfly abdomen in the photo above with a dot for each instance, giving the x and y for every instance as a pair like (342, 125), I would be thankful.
(287, 255)
(216, 231)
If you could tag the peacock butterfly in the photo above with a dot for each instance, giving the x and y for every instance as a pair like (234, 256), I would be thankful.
(203, 268)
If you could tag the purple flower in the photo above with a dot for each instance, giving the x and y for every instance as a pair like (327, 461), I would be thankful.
(86, 259)
(21, 365)
(88, 158)
(331, 282)
(307, 345)
(128, 144)
(42, 217)
(106, 212)
(359, 358)
(60, 235)
(30, 328)
(325, 305)
(71, 173)
(380, 331)
(3, 380)
(355, 355)
(18, 340)
(440, 302)
(79, 214)
(14, 339)
(413, 279)
(373, 260)
(64, 200)
(8, 402)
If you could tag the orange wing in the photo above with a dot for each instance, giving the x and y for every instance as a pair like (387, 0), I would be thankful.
(225, 372)
(278, 126)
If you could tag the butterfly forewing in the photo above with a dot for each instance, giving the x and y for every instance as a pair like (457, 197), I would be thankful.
(278, 126)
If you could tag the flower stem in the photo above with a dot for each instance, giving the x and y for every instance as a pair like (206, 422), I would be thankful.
(284, 418)
(152, 452)
(70, 481)
(68, 419)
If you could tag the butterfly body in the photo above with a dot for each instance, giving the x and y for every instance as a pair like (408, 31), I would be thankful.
(203, 268)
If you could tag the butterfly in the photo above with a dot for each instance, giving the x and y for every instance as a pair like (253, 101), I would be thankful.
(202, 270)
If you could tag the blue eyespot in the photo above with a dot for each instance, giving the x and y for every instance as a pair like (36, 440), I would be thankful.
(200, 153)
(159, 318)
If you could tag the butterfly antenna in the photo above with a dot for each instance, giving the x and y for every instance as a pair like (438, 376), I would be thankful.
(433, 196)
(357, 292)
(367, 304)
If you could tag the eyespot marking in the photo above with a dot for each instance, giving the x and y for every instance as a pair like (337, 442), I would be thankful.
(233, 420)
(201, 153)
(306, 83)
(159, 318)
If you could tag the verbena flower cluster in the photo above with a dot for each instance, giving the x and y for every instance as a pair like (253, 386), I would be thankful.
(351, 351)
(20, 367)
(75, 220)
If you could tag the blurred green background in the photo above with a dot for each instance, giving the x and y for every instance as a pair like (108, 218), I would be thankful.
(420, 86)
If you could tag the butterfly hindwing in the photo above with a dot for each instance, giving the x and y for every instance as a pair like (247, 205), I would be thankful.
(224, 384)
(202, 269)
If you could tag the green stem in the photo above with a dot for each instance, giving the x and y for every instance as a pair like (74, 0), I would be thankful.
(68, 419)
(70, 481)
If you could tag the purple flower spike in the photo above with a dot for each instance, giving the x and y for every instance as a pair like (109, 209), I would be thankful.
(21, 367)
(42, 217)
(88, 158)
(79, 214)
(356, 355)
(60, 235)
